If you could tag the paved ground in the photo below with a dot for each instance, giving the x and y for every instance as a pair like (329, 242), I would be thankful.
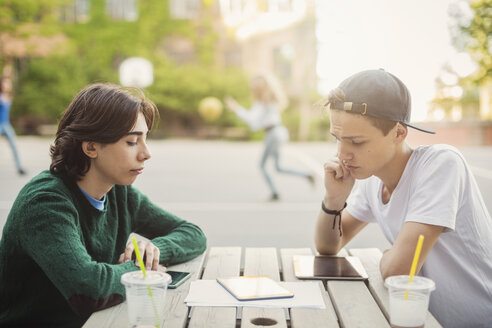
(218, 186)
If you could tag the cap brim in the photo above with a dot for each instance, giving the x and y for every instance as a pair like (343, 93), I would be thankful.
(420, 129)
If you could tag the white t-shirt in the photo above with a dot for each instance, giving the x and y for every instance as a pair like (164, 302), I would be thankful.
(260, 116)
(438, 188)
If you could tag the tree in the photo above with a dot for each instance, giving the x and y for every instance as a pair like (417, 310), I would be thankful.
(91, 51)
(472, 32)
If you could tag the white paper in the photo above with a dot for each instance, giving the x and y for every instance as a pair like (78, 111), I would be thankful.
(211, 293)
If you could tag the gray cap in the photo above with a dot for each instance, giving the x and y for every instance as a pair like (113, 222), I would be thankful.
(378, 94)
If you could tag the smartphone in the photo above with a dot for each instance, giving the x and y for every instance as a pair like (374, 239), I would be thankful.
(177, 278)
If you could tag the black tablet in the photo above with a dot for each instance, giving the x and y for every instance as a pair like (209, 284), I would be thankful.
(328, 267)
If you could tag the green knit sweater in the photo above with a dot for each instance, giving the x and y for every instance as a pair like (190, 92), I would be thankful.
(59, 254)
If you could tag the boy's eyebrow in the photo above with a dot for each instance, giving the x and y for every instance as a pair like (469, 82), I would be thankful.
(348, 137)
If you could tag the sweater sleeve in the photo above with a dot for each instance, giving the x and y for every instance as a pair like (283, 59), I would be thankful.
(177, 239)
(50, 235)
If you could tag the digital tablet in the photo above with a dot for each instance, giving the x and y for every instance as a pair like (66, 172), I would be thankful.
(328, 267)
(248, 288)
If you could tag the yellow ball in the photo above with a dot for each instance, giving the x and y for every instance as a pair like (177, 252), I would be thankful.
(210, 108)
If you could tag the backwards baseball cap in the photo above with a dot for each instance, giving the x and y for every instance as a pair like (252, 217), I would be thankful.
(378, 94)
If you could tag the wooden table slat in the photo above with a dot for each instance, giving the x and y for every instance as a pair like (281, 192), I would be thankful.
(370, 258)
(262, 261)
(221, 262)
(286, 255)
(175, 309)
(307, 318)
(355, 306)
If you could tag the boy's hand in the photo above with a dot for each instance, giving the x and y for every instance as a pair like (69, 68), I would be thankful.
(338, 183)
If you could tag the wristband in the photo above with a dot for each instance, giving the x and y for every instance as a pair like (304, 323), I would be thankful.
(332, 212)
(337, 213)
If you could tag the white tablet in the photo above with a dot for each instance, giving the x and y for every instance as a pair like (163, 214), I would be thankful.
(328, 267)
(248, 288)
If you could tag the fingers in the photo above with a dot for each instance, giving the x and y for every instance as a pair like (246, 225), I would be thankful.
(231, 103)
(336, 169)
(346, 172)
(228, 101)
(149, 252)
(127, 255)
(155, 262)
(141, 249)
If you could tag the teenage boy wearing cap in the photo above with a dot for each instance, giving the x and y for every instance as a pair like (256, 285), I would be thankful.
(426, 190)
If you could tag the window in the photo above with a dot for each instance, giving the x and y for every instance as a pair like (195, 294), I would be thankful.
(184, 9)
(122, 9)
(283, 58)
(236, 12)
(232, 7)
(279, 6)
(75, 12)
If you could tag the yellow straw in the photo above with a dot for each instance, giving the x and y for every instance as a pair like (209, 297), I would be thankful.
(415, 261)
(142, 267)
(139, 257)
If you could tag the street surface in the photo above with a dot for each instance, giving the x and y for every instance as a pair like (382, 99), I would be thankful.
(218, 185)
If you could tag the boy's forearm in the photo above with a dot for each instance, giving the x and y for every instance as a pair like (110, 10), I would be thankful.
(327, 239)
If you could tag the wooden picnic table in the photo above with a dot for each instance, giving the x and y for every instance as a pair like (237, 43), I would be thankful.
(348, 303)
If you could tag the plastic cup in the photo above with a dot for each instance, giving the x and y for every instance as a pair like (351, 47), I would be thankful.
(145, 297)
(410, 312)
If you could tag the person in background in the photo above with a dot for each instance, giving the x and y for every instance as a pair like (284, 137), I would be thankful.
(264, 114)
(6, 128)
(64, 245)
(427, 190)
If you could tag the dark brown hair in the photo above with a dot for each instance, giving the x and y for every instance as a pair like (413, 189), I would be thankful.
(337, 95)
(101, 113)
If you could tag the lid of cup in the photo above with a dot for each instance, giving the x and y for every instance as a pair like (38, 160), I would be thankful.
(152, 278)
(418, 283)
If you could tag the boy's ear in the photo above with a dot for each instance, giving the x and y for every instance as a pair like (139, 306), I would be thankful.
(401, 131)
(89, 148)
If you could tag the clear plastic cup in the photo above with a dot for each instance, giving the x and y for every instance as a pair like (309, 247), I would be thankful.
(412, 311)
(145, 297)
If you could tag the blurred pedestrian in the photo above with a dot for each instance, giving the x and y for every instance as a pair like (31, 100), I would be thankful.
(65, 244)
(264, 114)
(6, 128)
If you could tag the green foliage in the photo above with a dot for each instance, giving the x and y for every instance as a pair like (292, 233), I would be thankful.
(474, 34)
(48, 86)
(95, 49)
(14, 12)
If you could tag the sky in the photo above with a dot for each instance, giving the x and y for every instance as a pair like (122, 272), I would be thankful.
(410, 39)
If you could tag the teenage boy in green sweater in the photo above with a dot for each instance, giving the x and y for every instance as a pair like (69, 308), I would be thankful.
(64, 245)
